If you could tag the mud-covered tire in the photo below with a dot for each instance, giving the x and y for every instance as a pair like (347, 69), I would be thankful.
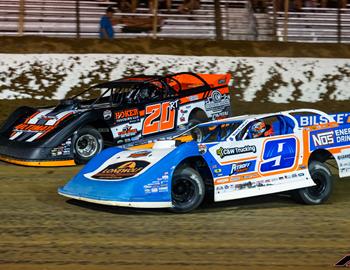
(87, 143)
(320, 193)
(187, 191)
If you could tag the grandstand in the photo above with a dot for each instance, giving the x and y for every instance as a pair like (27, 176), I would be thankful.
(237, 21)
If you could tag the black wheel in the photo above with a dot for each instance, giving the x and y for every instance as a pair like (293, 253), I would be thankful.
(187, 190)
(320, 193)
(87, 144)
(197, 118)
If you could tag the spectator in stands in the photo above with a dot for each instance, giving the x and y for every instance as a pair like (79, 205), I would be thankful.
(259, 6)
(333, 3)
(106, 24)
(310, 3)
(162, 4)
(188, 6)
(128, 5)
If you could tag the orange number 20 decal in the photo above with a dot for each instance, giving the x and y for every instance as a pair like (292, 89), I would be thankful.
(159, 117)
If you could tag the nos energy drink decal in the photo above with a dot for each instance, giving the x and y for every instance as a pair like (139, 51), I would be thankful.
(310, 120)
(330, 137)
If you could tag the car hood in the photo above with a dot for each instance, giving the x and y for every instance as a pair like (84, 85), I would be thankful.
(117, 174)
(127, 164)
(39, 124)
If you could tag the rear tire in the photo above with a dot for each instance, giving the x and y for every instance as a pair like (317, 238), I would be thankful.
(187, 191)
(320, 193)
(87, 144)
(197, 118)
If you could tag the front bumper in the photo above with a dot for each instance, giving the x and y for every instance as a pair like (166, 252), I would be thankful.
(41, 163)
(31, 154)
(117, 203)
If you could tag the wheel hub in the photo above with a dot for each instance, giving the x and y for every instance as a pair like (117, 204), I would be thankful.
(183, 191)
(86, 145)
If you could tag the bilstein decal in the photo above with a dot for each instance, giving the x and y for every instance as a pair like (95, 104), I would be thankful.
(122, 170)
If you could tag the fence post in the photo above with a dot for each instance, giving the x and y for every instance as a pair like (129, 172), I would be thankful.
(155, 18)
(77, 17)
(275, 19)
(21, 18)
(218, 21)
(286, 10)
(339, 22)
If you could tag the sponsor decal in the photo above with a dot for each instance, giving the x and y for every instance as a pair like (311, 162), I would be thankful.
(220, 115)
(193, 98)
(311, 120)
(221, 81)
(346, 156)
(122, 170)
(158, 186)
(248, 184)
(324, 138)
(202, 148)
(107, 114)
(241, 167)
(223, 152)
(278, 155)
(217, 101)
(127, 115)
(342, 135)
(33, 128)
(332, 137)
(140, 154)
(63, 149)
(48, 117)
(127, 131)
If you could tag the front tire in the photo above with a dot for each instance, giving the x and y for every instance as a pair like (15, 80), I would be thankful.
(87, 144)
(320, 193)
(187, 190)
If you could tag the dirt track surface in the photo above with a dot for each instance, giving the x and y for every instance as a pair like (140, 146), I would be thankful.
(41, 230)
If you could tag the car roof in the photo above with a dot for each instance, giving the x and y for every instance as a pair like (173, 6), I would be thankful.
(140, 79)
(285, 113)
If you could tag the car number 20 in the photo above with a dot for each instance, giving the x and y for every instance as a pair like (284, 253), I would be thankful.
(159, 117)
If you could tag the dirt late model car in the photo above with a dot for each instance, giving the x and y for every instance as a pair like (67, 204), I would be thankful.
(124, 112)
(222, 159)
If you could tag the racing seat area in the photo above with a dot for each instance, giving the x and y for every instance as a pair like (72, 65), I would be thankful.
(286, 125)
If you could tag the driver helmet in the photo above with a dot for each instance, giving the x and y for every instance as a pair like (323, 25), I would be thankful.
(144, 93)
(258, 129)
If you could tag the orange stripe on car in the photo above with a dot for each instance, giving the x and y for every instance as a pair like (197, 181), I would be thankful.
(238, 160)
(47, 163)
(31, 117)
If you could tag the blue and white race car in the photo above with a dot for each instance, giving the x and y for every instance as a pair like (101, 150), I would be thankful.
(233, 158)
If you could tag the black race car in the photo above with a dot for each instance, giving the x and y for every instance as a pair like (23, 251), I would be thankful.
(125, 112)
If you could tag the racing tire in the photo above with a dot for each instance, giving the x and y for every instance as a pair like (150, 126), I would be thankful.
(88, 143)
(320, 193)
(197, 118)
(187, 191)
